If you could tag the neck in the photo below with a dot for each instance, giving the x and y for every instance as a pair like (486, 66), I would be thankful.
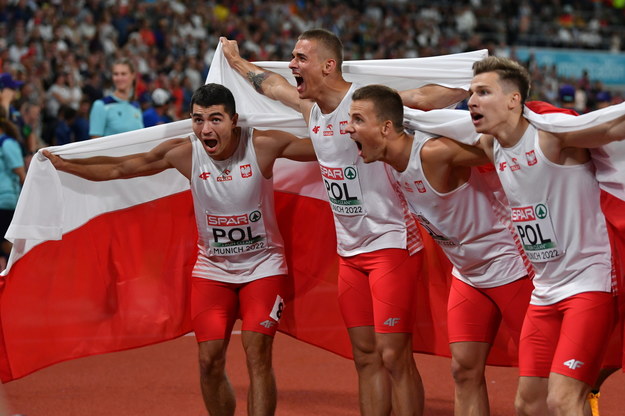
(332, 94)
(234, 144)
(511, 131)
(398, 151)
(122, 94)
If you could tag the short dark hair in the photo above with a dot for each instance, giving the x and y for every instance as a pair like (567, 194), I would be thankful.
(386, 101)
(508, 70)
(214, 94)
(329, 40)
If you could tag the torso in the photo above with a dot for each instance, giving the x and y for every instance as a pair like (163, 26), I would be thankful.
(482, 249)
(369, 210)
(238, 236)
(556, 211)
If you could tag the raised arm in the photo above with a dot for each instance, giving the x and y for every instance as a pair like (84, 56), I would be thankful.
(169, 154)
(272, 144)
(432, 96)
(265, 82)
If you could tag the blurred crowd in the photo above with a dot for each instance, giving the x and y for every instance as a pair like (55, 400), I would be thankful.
(57, 54)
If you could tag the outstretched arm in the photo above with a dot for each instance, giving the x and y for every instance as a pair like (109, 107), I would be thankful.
(272, 144)
(432, 96)
(104, 168)
(604, 133)
(265, 82)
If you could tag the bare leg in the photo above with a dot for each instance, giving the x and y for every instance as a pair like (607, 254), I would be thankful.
(531, 397)
(467, 367)
(407, 387)
(374, 386)
(567, 396)
(217, 392)
(262, 395)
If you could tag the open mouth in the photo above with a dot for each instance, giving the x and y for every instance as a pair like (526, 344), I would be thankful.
(210, 143)
(299, 81)
(476, 116)
(358, 144)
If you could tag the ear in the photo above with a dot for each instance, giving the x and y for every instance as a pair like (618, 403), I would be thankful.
(515, 100)
(235, 118)
(387, 128)
(329, 66)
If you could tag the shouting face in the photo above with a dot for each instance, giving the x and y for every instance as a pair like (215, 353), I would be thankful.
(490, 102)
(216, 129)
(307, 67)
(366, 130)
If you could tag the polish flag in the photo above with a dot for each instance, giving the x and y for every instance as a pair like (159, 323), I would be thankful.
(99, 267)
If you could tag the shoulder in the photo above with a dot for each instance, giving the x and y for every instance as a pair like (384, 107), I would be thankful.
(107, 100)
(8, 142)
(439, 149)
(486, 141)
(180, 143)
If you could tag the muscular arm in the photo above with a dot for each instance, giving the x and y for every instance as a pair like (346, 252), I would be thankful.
(446, 162)
(265, 82)
(595, 136)
(272, 144)
(102, 168)
(431, 96)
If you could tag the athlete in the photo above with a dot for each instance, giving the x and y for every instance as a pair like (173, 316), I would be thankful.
(550, 183)
(241, 268)
(444, 189)
(377, 239)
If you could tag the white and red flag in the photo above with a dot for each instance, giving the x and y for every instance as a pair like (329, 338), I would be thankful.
(104, 266)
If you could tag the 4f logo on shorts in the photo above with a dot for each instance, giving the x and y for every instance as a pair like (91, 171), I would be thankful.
(573, 364)
(391, 321)
(267, 323)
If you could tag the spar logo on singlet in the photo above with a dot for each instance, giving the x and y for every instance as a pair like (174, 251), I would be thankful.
(343, 187)
(235, 234)
(534, 226)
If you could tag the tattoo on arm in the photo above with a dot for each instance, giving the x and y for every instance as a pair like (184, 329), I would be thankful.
(257, 80)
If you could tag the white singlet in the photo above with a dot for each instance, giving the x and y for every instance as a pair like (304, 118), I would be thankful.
(238, 236)
(464, 223)
(556, 213)
(369, 211)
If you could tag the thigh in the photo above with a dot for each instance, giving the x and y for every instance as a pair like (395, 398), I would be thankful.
(471, 314)
(588, 320)
(214, 309)
(393, 277)
(262, 304)
(539, 337)
(512, 301)
(354, 294)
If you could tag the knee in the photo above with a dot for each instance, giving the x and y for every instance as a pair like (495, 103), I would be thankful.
(397, 360)
(560, 403)
(526, 405)
(466, 372)
(212, 365)
(366, 358)
(522, 406)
